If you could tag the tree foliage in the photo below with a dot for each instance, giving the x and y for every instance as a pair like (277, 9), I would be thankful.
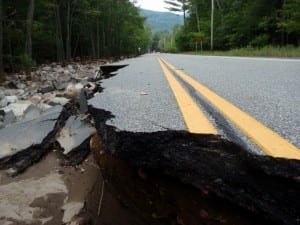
(242, 23)
(59, 30)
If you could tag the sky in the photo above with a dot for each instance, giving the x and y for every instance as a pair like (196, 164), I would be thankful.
(155, 5)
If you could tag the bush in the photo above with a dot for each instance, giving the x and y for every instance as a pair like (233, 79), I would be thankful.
(26, 63)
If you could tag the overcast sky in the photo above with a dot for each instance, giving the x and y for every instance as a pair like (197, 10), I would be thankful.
(156, 5)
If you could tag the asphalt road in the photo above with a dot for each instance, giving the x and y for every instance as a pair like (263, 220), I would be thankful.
(267, 89)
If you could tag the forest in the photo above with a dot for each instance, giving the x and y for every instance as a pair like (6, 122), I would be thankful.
(39, 31)
(224, 25)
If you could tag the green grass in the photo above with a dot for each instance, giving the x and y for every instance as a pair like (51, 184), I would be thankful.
(267, 51)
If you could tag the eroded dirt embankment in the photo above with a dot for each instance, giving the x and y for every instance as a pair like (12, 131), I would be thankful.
(197, 179)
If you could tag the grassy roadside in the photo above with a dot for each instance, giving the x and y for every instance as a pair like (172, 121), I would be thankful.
(267, 51)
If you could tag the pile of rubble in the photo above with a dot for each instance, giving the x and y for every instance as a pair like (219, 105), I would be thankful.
(47, 110)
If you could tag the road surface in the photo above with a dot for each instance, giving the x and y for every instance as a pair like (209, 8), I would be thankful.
(252, 101)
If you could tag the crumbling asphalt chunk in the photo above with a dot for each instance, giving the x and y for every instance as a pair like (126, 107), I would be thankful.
(74, 139)
(26, 141)
(262, 185)
(106, 71)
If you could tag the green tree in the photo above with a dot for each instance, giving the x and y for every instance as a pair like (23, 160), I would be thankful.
(290, 19)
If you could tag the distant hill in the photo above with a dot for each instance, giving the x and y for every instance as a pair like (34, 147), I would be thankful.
(161, 21)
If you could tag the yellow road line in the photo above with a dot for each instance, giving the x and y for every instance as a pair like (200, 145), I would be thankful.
(269, 141)
(194, 118)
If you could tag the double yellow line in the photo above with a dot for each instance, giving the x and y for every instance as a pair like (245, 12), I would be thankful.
(269, 141)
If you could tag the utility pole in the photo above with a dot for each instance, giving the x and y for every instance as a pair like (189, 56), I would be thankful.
(212, 26)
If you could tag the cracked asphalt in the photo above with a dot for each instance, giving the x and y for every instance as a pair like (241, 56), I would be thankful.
(267, 89)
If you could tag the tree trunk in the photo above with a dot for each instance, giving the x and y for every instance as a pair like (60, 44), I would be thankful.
(93, 45)
(98, 38)
(98, 33)
(68, 31)
(1, 38)
(197, 16)
(29, 22)
(59, 39)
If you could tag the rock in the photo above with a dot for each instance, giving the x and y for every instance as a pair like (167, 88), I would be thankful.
(73, 90)
(9, 118)
(90, 88)
(18, 108)
(70, 67)
(46, 89)
(74, 139)
(27, 141)
(21, 92)
(11, 99)
(59, 69)
(9, 92)
(11, 84)
(3, 103)
(36, 99)
(58, 85)
(47, 68)
(22, 77)
(67, 72)
(48, 96)
(21, 86)
(59, 100)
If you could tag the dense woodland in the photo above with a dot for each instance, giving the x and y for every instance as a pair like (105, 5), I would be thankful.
(38, 31)
(236, 24)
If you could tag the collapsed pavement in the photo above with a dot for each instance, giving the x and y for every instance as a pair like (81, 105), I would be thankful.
(44, 120)
(265, 187)
(167, 177)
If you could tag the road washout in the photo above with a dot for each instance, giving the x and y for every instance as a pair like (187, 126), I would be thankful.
(165, 177)
(261, 187)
